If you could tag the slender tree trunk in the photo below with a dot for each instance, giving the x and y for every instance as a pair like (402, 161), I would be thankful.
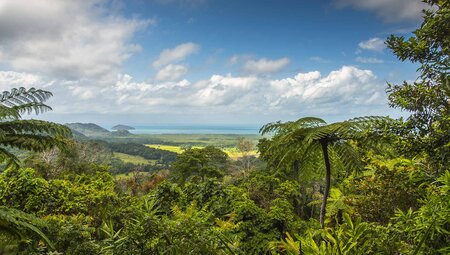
(326, 158)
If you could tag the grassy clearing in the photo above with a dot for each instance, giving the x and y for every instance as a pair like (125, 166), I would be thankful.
(131, 175)
(231, 151)
(137, 160)
(172, 148)
(235, 154)
(219, 140)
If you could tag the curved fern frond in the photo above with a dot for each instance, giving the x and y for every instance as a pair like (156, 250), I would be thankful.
(31, 142)
(348, 156)
(35, 126)
(271, 127)
(35, 135)
(303, 123)
(10, 159)
(7, 113)
(301, 139)
(309, 122)
(20, 224)
(23, 96)
(28, 108)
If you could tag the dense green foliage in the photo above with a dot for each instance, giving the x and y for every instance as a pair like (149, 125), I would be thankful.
(163, 157)
(363, 186)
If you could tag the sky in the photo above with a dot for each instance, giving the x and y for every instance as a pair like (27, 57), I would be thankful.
(206, 62)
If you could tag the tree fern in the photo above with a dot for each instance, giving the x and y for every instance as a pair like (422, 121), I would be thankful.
(34, 135)
(303, 140)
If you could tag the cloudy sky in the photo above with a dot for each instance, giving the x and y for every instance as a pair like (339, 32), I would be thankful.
(205, 61)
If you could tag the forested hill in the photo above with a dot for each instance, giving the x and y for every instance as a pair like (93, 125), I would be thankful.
(88, 129)
(122, 127)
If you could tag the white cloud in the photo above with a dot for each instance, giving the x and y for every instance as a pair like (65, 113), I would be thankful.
(369, 60)
(183, 3)
(373, 44)
(332, 93)
(319, 60)
(234, 59)
(239, 58)
(10, 79)
(223, 90)
(343, 91)
(176, 54)
(348, 90)
(65, 39)
(389, 10)
(265, 66)
(171, 72)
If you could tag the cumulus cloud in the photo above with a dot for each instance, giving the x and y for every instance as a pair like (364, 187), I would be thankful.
(389, 10)
(176, 54)
(65, 39)
(348, 90)
(373, 44)
(11, 79)
(331, 93)
(265, 66)
(171, 72)
(369, 60)
(223, 90)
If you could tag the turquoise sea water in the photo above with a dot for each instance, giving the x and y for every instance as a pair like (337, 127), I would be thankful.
(186, 129)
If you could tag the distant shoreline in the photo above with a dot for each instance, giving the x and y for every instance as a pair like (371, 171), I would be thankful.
(195, 129)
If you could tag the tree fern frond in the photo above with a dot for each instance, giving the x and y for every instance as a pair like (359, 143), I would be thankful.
(308, 122)
(35, 135)
(19, 223)
(8, 113)
(35, 126)
(30, 107)
(31, 142)
(10, 159)
(271, 127)
(23, 96)
(348, 156)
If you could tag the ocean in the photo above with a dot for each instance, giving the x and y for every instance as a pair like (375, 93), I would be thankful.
(193, 129)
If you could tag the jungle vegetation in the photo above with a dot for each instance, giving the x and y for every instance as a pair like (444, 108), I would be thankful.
(368, 185)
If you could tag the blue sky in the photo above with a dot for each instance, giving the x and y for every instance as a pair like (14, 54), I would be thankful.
(205, 61)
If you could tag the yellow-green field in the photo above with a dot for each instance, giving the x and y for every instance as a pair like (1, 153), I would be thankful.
(231, 151)
(137, 160)
(173, 148)
(131, 174)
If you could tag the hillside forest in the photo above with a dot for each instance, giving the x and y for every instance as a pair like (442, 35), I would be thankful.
(367, 185)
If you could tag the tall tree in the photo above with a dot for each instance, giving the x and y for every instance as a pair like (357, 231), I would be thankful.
(208, 162)
(30, 134)
(428, 97)
(301, 142)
